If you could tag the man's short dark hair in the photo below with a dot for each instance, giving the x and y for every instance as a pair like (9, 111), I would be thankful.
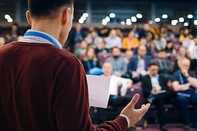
(153, 63)
(46, 8)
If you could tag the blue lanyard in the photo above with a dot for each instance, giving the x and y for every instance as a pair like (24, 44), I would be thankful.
(44, 36)
(180, 77)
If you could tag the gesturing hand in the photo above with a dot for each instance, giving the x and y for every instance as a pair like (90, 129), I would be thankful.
(133, 114)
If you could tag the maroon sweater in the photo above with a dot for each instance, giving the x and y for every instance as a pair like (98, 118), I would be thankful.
(43, 88)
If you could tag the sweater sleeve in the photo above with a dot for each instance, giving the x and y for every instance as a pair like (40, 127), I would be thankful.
(71, 104)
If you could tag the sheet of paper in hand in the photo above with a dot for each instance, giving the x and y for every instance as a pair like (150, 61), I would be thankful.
(98, 87)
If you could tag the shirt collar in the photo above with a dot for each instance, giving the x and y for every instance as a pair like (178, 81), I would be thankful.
(40, 37)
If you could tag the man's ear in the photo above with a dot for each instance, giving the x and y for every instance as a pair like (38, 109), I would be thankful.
(66, 15)
(28, 17)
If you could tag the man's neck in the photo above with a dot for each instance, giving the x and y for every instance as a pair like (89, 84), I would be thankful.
(47, 27)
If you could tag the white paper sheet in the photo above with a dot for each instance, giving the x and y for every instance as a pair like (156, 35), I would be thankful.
(98, 87)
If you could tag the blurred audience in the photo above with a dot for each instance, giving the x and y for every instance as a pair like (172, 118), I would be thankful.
(82, 49)
(113, 40)
(165, 66)
(156, 91)
(170, 51)
(143, 41)
(180, 55)
(118, 87)
(185, 84)
(91, 63)
(160, 42)
(117, 61)
(94, 39)
(138, 64)
(130, 42)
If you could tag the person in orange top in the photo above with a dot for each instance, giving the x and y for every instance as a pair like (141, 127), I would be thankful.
(130, 42)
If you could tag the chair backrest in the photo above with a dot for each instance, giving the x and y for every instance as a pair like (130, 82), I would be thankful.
(102, 57)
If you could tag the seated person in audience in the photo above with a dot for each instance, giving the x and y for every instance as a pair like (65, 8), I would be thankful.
(192, 54)
(170, 49)
(138, 64)
(143, 41)
(94, 39)
(113, 40)
(118, 63)
(155, 91)
(153, 48)
(160, 42)
(165, 66)
(117, 97)
(102, 47)
(149, 36)
(184, 32)
(185, 84)
(2, 41)
(128, 56)
(91, 63)
(188, 42)
(130, 42)
(170, 35)
(82, 49)
(146, 27)
(180, 55)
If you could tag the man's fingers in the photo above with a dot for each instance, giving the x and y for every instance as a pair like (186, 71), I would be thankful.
(144, 109)
(134, 100)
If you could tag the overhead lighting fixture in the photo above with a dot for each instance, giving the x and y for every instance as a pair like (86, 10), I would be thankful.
(157, 19)
(186, 24)
(81, 21)
(85, 15)
(7, 16)
(104, 22)
(181, 19)
(139, 16)
(164, 16)
(107, 18)
(112, 15)
(122, 23)
(190, 16)
(195, 22)
(174, 22)
(133, 19)
(150, 22)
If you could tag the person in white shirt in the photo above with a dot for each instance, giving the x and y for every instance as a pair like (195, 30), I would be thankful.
(192, 54)
(118, 87)
(113, 40)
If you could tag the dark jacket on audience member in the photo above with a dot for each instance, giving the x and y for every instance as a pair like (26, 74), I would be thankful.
(147, 85)
(90, 64)
(134, 61)
(165, 67)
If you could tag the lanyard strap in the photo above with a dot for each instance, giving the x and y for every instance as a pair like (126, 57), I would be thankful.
(180, 77)
(44, 36)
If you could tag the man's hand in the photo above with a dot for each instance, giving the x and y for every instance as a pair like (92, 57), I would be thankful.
(135, 75)
(135, 115)
(157, 88)
(154, 92)
(185, 73)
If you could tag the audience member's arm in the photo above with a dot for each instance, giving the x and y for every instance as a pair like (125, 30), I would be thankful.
(192, 81)
(178, 87)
